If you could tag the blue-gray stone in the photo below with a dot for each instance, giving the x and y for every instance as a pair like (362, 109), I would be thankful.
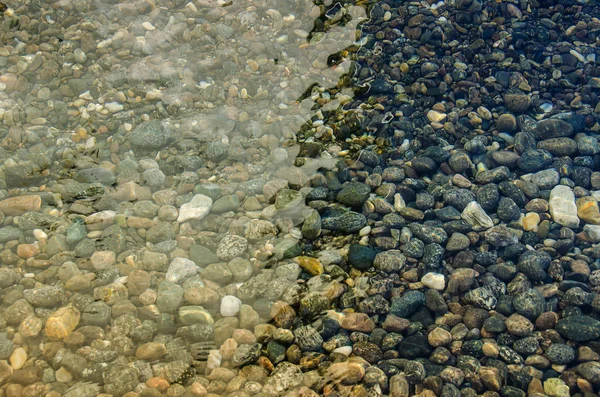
(407, 304)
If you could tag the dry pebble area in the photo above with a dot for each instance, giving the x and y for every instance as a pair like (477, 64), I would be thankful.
(265, 198)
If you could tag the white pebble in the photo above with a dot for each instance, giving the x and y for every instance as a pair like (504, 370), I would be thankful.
(40, 235)
(148, 26)
(230, 306)
(113, 107)
(345, 350)
(434, 281)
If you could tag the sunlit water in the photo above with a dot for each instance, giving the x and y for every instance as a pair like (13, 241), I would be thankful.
(114, 115)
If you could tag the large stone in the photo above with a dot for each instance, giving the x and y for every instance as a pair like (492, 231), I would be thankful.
(197, 208)
(579, 328)
(476, 216)
(588, 211)
(562, 206)
(62, 322)
(407, 304)
(14, 206)
(553, 128)
(150, 135)
(354, 194)
(180, 269)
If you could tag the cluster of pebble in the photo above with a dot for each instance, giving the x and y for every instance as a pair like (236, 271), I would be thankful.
(176, 222)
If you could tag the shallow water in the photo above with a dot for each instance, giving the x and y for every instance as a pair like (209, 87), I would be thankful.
(114, 116)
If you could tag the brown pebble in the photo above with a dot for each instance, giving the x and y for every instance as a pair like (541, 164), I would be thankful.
(151, 351)
(546, 320)
(519, 325)
(535, 386)
(474, 317)
(360, 322)
(395, 324)
(491, 378)
(14, 206)
(26, 251)
(439, 337)
(158, 383)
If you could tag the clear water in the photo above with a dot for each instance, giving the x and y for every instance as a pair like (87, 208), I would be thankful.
(245, 81)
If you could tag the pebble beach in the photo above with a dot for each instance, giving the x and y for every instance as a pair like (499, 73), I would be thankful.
(263, 198)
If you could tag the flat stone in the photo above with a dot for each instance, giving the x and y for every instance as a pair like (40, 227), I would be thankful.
(181, 269)
(15, 206)
(197, 208)
(579, 328)
(103, 259)
(562, 206)
(476, 216)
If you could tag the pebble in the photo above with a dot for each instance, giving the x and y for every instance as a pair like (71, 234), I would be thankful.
(476, 216)
(588, 211)
(20, 205)
(62, 322)
(150, 135)
(18, 358)
(434, 280)
(151, 218)
(197, 208)
(562, 206)
(230, 306)
(181, 269)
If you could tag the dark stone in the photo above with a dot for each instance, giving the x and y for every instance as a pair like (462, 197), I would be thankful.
(408, 303)
(424, 165)
(534, 265)
(561, 354)
(553, 128)
(579, 328)
(354, 194)
(533, 160)
(508, 210)
(414, 346)
(458, 198)
(361, 257)
(343, 220)
(529, 304)
(433, 255)
(488, 197)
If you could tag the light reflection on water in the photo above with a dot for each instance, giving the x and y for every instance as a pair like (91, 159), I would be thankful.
(237, 79)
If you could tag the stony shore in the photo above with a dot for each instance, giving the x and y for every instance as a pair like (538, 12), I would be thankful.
(262, 199)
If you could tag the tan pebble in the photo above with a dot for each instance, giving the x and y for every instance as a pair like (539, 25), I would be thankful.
(148, 26)
(491, 378)
(14, 206)
(158, 383)
(30, 327)
(26, 251)
(435, 116)
(584, 385)
(531, 222)
(588, 210)
(358, 322)
(490, 349)
(151, 351)
(62, 322)
(535, 386)
(461, 181)
(198, 390)
(18, 358)
(310, 265)
(63, 375)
